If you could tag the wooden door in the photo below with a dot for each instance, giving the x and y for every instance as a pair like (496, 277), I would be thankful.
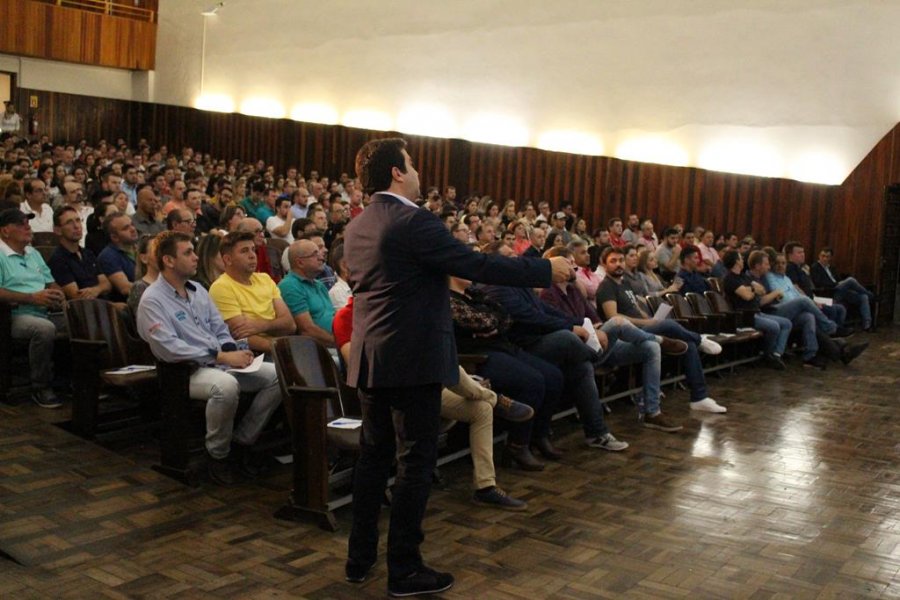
(890, 255)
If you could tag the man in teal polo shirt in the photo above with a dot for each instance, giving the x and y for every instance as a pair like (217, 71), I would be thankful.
(307, 297)
(26, 281)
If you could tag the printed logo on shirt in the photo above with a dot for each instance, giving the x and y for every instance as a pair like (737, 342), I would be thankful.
(181, 315)
(153, 328)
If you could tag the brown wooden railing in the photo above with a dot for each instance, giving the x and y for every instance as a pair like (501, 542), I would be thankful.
(113, 8)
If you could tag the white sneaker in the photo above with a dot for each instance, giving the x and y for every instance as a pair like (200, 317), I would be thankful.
(708, 346)
(607, 442)
(708, 405)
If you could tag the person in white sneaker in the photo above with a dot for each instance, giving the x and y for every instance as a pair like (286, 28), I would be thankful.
(615, 298)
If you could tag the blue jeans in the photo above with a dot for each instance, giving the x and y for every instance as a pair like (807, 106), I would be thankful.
(776, 331)
(630, 345)
(576, 361)
(40, 333)
(528, 379)
(792, 308)
(693, 369)
(836, 313)
(852, 293)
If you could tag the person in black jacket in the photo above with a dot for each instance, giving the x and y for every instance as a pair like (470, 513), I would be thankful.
(846, 291)
(399, 257)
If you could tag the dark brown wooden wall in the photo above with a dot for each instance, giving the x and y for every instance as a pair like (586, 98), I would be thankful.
(847, 217)
(80, 36)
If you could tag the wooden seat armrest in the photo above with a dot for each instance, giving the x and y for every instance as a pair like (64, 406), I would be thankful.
(88, 344)
(473, 359)
(303, 391)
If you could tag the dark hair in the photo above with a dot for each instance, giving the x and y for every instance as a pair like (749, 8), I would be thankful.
(494, 247)
(594, 252)
(167, 245)
(790, 246)
(670, 231)
(730, 258)
(557, 251)
(376, 160)
(233, 239)
(28, 187)
(107, 222)
(173, 217)
(336, 255)
(228, 214)
(299, 225)
(59, 212)
(689, 251)
(827, 249)
(609, 252)
(755, 259)
(613, 221)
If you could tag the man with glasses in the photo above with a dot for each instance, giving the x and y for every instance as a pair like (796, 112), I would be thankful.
(182, 220)
(306, 296)
(36, 203)
(74, 197)
(75, 268)
(26, 281)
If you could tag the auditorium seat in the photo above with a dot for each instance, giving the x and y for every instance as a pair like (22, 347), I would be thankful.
(100, 345)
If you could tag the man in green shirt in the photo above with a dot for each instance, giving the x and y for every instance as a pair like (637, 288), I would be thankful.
(307, 297)
(26, 281)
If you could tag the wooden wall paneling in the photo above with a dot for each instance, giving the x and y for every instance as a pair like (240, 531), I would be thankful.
(72, 35)
(847, 217)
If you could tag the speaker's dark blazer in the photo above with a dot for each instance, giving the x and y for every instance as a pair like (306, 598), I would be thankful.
(399, 259)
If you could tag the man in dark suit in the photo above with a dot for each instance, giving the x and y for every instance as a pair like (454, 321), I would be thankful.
(404, 351)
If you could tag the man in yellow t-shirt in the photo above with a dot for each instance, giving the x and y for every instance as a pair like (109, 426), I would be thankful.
(250, 302)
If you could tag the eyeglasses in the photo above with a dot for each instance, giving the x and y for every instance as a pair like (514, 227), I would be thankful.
(191, 221)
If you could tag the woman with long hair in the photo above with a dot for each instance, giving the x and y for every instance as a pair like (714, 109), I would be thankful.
(145, 271)
(209, 260)
(653, 283)
(522, 235)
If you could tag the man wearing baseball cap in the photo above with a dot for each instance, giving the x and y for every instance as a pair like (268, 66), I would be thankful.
(25, 281)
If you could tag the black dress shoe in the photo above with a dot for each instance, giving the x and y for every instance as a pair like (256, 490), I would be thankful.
(521, 456)
(220, 471)
(423, 581)
(843, 332)
(547, 449)
(355, 572)
(852, 351)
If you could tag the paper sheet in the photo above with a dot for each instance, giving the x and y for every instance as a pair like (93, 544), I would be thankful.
(132, 369)
(252, 367)
(592, 342)
(346, 423)
(663, 311)
(823, 301)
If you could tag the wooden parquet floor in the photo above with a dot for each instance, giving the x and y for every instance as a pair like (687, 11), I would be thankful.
(795, 493)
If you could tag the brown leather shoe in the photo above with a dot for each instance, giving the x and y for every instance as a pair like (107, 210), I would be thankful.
(546, 448)
(673, 347)
(521, 456)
